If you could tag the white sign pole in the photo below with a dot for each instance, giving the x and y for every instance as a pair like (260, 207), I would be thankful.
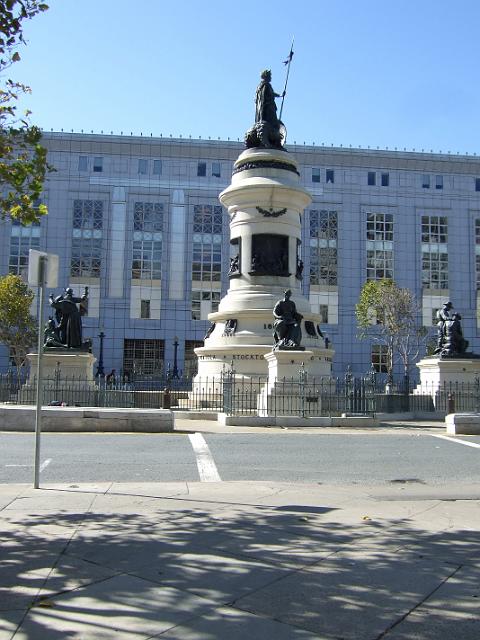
(42, 264)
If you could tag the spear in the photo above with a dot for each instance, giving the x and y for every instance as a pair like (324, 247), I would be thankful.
(287, 62)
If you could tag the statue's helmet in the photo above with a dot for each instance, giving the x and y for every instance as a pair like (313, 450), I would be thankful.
(69, 291)
(287, 293)
(448, 304)
(266, 74)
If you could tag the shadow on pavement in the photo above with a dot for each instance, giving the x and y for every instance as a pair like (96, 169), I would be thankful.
(203, 569)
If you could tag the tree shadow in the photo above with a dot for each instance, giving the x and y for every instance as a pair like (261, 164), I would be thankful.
(174, 565)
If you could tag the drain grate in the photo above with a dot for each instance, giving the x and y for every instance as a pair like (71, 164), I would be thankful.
(407, 481)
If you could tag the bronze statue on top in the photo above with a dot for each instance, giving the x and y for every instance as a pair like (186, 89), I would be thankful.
(268, 131)
(69, 329)
(450, 340)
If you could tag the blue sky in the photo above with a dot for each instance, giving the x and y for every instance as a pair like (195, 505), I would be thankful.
(365, 73)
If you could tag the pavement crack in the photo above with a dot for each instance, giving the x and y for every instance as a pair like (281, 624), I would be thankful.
(419, 604)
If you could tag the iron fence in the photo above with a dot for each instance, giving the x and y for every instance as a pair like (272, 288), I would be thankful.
(232, 394)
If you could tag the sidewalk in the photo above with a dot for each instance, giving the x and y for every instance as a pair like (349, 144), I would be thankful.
(236, 561)
(185, 425)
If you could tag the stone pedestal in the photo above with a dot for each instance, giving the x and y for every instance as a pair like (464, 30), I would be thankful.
(445, 378)
(64, 367)
(437, 373)
(285, 365)
(290, 389)
(67, 378)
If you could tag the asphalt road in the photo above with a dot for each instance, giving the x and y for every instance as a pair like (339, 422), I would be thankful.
(362, 459)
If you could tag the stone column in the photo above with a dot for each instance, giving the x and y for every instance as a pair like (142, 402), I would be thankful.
(176, 285)
(117, 243)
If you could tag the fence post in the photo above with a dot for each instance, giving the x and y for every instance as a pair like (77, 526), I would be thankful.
(302, 379)
(451, 403)
(348, 389)
(166, 398)
(227, 389)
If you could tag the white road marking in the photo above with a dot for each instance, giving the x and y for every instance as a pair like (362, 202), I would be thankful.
(207, 469)
(467, 444)
(45, 464)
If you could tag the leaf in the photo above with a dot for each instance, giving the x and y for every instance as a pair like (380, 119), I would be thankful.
(45, 604)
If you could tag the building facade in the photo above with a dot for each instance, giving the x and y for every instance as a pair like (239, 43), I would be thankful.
(138, 221)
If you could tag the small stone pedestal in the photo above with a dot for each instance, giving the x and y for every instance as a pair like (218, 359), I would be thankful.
(441, 376)
(67, 378)
(438, 372)
(283, 394)
(64, 367)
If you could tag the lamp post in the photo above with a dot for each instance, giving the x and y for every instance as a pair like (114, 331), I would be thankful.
(175, 367)
(100, 371)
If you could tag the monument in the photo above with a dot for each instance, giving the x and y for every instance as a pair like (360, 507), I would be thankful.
(66, 355)
(451, 363)
(264, 324)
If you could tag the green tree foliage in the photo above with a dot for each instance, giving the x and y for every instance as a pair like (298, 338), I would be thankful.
(23, 160)
(18, 329)
(388, 314)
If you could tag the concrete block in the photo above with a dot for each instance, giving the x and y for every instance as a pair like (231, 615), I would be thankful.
(463, 423)
(88, 419)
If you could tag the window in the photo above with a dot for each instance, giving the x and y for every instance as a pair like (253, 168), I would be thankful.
(87, 236)
(97, 165)
(147, 241)
(434, 317)
(143, 166)
(145, 309)
(216, 169)
(203, 303)
(315, 174)
(142, 357)
(438, 182)
(83, 163)
(426, 181)
(323, 312)
(202, 169)
(434, 229)
(380, 358)
(477, 184)
(385, 179)
(371, 178)
(330, 176)
(157, 167)
(434, 252)
(22, 239)
(323, 247)
(379, 246)
(207, 243)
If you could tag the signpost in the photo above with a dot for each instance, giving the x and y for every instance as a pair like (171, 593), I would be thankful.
(42, 272)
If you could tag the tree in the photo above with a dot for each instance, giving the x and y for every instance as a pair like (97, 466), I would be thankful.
(23, 160)
(18, 330)
(388, 314)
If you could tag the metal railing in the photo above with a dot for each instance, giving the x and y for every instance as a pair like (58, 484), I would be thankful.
(233, 394)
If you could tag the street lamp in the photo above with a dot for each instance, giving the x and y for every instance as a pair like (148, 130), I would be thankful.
(175, 352)
(100, 371)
